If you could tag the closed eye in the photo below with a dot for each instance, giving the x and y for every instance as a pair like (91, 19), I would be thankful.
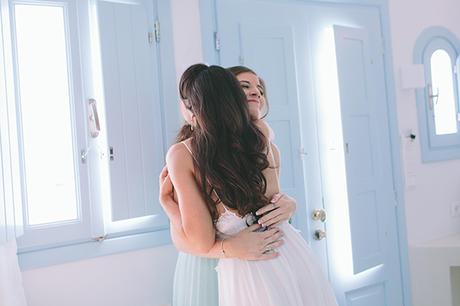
(261, 91)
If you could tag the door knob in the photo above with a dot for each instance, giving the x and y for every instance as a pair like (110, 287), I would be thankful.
(319, 215)
(319, 234)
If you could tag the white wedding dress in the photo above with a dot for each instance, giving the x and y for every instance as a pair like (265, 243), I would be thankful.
(294, 278)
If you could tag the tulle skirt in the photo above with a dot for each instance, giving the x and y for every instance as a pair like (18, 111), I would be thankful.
(294, 278)
(195, 281)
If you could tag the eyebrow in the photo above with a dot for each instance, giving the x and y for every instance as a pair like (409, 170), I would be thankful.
(258, 85)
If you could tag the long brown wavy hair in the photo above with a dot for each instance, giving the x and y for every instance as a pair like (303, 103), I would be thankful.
(185, 131)
(229, 150)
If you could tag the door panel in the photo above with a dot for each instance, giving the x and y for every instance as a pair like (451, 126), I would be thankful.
(364, 180)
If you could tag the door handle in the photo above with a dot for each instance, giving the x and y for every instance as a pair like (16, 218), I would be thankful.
(319, 234)
(93, 119)
(319, 215)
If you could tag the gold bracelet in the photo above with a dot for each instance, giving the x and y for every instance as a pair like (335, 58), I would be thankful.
(222, 247)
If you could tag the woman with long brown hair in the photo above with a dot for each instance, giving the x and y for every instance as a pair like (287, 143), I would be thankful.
(195, 281)
(223, 173)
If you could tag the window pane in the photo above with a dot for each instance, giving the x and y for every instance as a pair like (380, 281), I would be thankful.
(445, 116)
(46, 114)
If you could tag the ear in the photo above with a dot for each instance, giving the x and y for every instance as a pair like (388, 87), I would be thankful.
(193, 121)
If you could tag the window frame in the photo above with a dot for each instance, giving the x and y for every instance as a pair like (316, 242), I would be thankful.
(11, 198)
(436, 147)
(41, 245)
(38, 236)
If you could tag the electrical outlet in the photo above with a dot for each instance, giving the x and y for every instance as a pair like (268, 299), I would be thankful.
(455, 209)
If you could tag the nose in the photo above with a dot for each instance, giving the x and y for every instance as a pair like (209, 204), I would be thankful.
(254, 92)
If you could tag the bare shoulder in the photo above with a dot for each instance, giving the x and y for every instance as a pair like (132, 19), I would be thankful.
(275, 148)
(178, 156)
(265, 128)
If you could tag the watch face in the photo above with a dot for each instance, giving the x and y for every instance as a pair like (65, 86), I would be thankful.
(252, 218)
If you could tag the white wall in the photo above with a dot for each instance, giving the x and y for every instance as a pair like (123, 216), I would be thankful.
(187, 34)
(431, 187)
(141, 278)
(145, 277)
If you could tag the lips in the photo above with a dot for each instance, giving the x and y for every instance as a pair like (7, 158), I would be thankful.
(253, 101)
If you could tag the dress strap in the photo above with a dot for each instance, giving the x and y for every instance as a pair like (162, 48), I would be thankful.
(188, 148)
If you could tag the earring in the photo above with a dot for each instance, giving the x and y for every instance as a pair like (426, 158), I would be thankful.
(191, 127)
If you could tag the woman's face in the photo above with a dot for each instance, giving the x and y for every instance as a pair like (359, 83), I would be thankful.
(186, 113)
(254, 93)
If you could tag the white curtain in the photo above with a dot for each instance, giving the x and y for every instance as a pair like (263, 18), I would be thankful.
(11, 288)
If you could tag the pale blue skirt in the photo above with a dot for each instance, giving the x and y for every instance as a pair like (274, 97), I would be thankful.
(195, 281)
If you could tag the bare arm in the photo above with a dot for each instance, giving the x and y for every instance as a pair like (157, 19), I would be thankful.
(192, 220)
(247, 245)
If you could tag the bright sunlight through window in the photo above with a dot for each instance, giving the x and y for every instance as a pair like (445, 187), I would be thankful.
(445, 114)
(45, 102)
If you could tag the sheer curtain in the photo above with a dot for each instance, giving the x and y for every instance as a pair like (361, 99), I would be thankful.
(11, 288)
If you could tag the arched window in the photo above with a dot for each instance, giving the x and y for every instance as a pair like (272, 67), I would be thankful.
(438, 103)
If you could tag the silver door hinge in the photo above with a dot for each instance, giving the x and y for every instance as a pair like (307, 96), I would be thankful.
(216, 41)
(111, 154)
(156, 28)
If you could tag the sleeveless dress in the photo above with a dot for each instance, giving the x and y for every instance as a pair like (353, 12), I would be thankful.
(294, 278)
(291, 279)
(195, 281)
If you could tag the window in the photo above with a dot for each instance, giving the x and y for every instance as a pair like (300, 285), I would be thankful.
(443, 102)
(438, 103)
(46, 115)
(82, 188)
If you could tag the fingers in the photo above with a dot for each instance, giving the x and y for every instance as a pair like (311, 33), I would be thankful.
(276, 197)
(272, 205)
(266, 208)
(275, 237)
(166, 186)
(275, 244)
(253, 227)
(163, 174)
(267, 219)
(276, 222)
(271, 248)
(270, 232)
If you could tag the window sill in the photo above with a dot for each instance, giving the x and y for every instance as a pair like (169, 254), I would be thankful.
(59, 255)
